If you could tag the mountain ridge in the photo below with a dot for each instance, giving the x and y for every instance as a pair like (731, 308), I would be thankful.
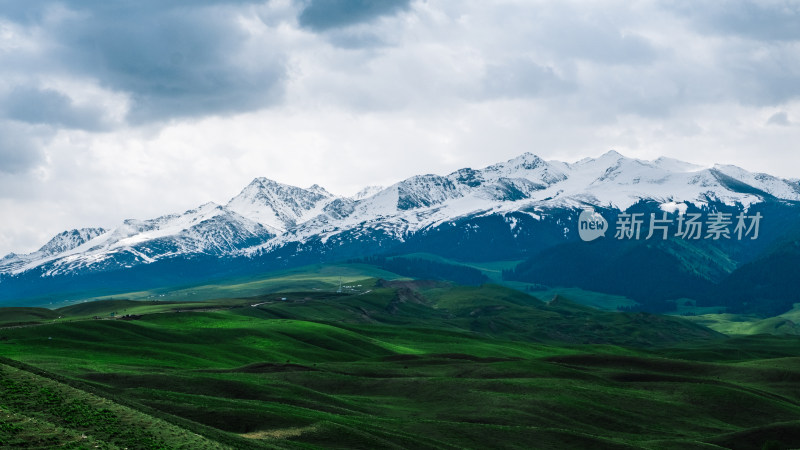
(507, 210)
(281, 213)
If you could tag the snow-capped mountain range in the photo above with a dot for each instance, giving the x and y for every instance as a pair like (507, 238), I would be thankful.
(267, 215)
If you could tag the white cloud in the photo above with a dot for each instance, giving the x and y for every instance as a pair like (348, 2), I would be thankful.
(122, 113)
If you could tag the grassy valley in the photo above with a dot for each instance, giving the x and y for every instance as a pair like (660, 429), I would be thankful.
(388, 364)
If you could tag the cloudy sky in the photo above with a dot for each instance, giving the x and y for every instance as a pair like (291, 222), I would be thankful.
(133, 109)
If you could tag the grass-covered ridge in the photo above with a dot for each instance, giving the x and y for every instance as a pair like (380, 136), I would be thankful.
(392, 364)
(787, 323)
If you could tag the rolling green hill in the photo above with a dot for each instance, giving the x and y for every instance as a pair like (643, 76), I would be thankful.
(324, 277)
(390, 364)
(20, 315)
(42, 410)
(787, 323)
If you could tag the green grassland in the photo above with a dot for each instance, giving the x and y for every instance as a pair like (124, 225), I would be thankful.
(327, 277)
(20, 315)
(391, 363)
(787, 323)
(306, 278)
(39, 411)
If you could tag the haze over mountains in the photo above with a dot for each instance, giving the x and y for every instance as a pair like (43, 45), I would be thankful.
(509, 210)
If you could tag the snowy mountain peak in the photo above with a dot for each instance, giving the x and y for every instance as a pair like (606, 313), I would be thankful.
(261, 183)
(772, 185)
(269, 215)
(607, 159)
(616, 180)
(525, 161)
(612, 154)
(527, 166)
(69, 240)
(319, 190)
(279, 206)
(425, 190)
(264, 187)
(367, 192)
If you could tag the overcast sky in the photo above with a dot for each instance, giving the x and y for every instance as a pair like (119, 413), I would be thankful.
(133, 109)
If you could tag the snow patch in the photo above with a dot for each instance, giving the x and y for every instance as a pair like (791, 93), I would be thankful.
(671, 207)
